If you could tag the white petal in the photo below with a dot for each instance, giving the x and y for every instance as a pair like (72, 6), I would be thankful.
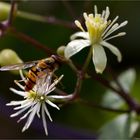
(60, 96)
(99, 58)
(47, 112)
(21, 93)
(31, 117)
(23, 106)
(52, 104)
(44, 121)
(75, 46)
(25, 115)
(19, 112)
(49, 91)
(14, 103)
(113, 49)
(84, 35)
(38, 110)
(52, 86)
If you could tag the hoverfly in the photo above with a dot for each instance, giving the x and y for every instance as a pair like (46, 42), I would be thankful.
(38, 69)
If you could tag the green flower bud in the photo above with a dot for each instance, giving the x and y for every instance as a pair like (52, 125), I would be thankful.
(8, 57)
(60, 50)
(4, 10)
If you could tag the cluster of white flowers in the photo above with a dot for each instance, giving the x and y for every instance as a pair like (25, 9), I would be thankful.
(99, 29)
(35, 101)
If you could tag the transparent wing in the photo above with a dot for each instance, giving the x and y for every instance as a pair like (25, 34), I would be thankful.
(19, 66)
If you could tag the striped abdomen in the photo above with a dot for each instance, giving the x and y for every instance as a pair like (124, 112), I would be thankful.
(38, 71)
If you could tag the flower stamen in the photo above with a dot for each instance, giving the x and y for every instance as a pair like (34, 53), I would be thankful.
(99, 30)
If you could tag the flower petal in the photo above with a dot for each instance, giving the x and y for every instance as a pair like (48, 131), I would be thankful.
(19, 112)
(84, 35)
(15, 103)
(52, 104)
(65, 97)
(23, 106)
(25, 115)
(99, 58)
(44, 120)
(30, 118)
(38, 110)
(46, 111)
(113, 49)
(21, 93)
(75, 46)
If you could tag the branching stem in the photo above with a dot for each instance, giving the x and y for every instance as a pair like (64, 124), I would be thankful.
(12, 11)
(46, 19)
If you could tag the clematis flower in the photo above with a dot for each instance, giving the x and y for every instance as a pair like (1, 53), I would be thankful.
(99, 31)
(35, 101)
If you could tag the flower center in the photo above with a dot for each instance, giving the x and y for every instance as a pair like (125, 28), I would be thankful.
(95, 26)
(36, 97)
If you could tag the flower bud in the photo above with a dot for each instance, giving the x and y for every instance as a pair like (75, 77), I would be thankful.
(4, 10)
(8, 57)
(60, 50)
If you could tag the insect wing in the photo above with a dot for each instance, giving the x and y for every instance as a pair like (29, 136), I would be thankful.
(19, 66)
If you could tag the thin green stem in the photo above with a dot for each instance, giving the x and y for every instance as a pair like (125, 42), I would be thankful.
(81, 75)
(86, 64)
(72, 66)
(31, 16)
(46, 19)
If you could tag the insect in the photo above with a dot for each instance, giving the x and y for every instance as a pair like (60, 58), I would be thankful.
(38, 69)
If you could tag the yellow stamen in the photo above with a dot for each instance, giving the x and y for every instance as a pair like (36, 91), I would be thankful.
(78, 24)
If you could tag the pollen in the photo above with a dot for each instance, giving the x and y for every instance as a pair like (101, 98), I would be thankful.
(42, 98)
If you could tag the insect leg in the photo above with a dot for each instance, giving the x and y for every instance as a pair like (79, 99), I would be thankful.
(17, 82)
(21, 75)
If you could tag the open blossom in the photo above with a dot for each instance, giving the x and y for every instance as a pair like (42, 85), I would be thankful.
(35, 101)
(99, 30)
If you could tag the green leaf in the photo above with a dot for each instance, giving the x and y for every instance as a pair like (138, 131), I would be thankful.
(126, 79)
(122, 127)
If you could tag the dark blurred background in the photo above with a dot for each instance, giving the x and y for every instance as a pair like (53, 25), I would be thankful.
(73, 120)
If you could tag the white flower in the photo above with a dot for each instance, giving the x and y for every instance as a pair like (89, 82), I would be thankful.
(35, 101)
(99, 29)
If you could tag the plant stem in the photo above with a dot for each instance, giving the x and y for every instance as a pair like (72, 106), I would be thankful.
(73, 67)
(45, 19)
(78, 86)
(60, 92)
(12, 11)
(81, 76)
(86, 64)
